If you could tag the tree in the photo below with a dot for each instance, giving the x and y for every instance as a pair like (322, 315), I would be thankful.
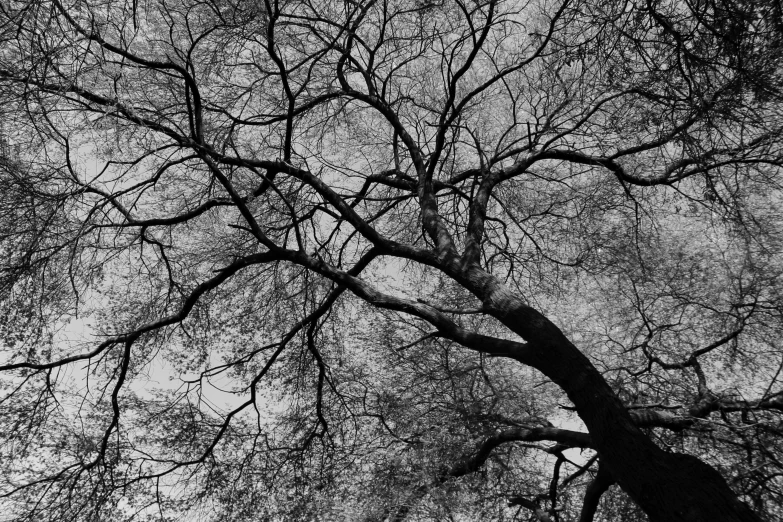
(297, 260)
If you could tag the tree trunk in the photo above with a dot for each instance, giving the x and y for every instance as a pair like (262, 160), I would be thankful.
(669, 487)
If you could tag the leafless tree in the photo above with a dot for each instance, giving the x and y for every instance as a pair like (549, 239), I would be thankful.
(391, 259)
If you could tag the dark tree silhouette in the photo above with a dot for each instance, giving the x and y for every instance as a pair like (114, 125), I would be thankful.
(391, 259)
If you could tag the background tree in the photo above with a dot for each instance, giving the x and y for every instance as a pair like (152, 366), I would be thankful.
(297, 260)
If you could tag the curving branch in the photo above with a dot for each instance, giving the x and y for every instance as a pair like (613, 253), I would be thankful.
(597, 487)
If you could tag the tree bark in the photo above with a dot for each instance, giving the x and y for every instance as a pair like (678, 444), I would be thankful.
(669, 487)
(595, 489)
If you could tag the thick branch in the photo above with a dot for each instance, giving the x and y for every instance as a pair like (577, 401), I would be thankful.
(599, 485)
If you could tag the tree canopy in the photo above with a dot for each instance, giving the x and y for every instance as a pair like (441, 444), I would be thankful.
(391, 260)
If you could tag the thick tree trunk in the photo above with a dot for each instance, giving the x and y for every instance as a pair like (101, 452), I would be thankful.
(669, 487)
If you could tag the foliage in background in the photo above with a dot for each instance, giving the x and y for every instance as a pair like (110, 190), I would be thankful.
(277, 260)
